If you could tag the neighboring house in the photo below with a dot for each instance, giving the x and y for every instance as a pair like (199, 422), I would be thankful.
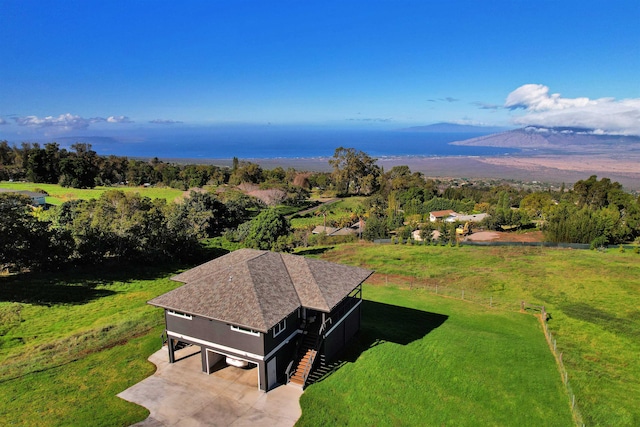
(326, 230)
(280, 312)
(467, 218)
(441, 215)
(37, 199)
(334, 231)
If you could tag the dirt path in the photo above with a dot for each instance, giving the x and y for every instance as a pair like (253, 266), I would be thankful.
(501, 236)
(326, 202)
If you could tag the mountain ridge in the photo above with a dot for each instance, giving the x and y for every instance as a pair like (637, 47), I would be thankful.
(557, 140)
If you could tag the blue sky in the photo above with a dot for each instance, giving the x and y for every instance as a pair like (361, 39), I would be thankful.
(102, 67)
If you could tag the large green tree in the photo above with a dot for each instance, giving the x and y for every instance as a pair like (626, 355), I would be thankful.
(354, 171)
(26, 242)
(266, 229)
(80, 168)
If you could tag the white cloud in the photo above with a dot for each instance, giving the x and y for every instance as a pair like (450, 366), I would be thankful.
(67, 121)
(119, 119)
(602, 116)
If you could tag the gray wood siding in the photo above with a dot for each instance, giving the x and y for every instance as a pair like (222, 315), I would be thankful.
(216, 332)
(293, 323)
(342, 334)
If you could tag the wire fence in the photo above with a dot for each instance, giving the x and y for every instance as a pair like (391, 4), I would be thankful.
(494, 301)
(577, 415)
(494, 243)
(471, 295)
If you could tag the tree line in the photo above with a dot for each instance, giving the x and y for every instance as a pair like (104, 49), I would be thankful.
(596, 212)
(82, 167)
(128, 227)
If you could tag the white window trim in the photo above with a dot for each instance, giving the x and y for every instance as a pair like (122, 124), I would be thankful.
(280, 328)
(178, 314)
(245, 331)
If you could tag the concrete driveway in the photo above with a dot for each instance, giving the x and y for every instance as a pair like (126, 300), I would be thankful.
(180, 394)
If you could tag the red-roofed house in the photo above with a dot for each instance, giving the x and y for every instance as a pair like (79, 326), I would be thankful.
(441, 215)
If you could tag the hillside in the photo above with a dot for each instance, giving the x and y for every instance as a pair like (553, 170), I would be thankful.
(557, 141)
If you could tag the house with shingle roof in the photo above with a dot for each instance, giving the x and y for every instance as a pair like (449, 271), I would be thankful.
(280, 312)
(37, 199)
(441, 215)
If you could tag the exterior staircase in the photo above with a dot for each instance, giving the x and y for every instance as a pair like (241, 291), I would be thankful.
(307, 352)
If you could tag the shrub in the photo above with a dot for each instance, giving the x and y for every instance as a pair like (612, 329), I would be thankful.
(598, 242)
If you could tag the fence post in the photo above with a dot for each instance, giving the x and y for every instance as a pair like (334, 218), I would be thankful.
(490, 301)
(436, 288)
(522, 306)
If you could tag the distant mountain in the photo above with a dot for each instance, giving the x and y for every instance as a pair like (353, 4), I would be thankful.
(455, 128)
(557, 140)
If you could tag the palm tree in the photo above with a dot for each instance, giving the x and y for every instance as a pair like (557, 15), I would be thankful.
(359, 212)
(323, 210)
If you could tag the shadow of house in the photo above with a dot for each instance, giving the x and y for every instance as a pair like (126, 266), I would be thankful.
(383, 323)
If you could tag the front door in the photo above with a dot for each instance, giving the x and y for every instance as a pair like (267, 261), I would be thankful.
(271, 373)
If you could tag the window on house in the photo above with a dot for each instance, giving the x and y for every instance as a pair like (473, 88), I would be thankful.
(245, 331)
(277, 330)
(178, 314)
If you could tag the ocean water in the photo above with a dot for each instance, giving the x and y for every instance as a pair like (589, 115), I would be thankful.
(265, 142)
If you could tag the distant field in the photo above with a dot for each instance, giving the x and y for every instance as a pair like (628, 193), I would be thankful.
(59, 195)
(341, 210)
(593, 299)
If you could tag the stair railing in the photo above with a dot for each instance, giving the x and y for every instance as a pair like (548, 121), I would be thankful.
(289, 372)
(316, 349)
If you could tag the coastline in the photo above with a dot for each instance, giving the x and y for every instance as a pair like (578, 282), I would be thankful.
(549, 168)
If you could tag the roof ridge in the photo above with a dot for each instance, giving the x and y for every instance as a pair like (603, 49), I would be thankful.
(253, 291)
(286, 267)
(253, 287)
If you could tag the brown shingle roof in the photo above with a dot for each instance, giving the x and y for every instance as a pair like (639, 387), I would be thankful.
(440, 214)
(257, 289)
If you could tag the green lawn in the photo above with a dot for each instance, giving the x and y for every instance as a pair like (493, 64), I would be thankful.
(593, 299)
(70, 342)
(82, 392)
(338, 211)
(425, 360)
(66, 347)
(59, 195)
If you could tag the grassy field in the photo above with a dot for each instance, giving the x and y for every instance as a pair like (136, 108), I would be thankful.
(59, 195)
(593, 299)
(70, 342)
(337, 211)
(425, 360)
